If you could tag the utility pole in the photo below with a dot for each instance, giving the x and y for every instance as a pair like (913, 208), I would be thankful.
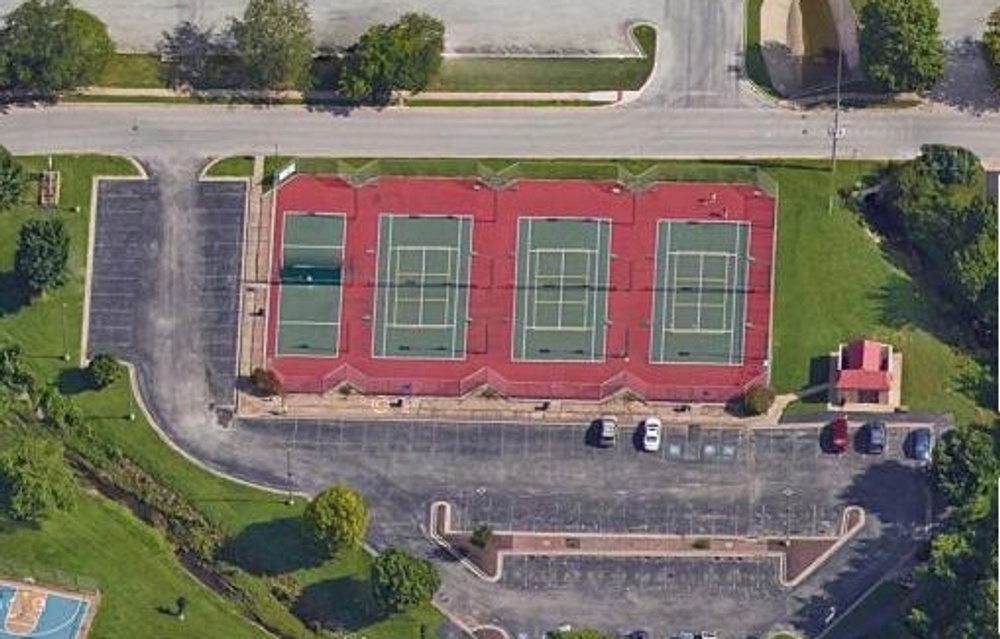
(836, 131)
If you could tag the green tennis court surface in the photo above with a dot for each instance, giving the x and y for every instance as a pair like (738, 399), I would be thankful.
(310, 294)
(422, 298)
(699, 300)
(560, 307)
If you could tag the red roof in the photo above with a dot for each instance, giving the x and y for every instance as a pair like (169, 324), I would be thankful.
(863, 380)
(863, 355)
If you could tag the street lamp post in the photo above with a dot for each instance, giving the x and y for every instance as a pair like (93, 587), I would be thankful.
(290, 498)
(65, 340)
(836, 131)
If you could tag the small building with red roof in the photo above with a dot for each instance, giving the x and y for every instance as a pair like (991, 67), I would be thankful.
(865, 375)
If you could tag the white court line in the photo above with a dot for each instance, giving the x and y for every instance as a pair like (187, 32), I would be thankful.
(420, 326)
(448, 297)
(697, 331)
(562, 289)
(312, 246)
(733, 327)
(567, 329)
(528, 320)
(306, 323)
(701, 288)
(663, 317)
(422, 285)
(590, 295)
(725, 298)
(706, 253)
(556, 249)
(388, 290)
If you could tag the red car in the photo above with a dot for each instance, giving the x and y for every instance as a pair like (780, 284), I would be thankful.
(839, 437)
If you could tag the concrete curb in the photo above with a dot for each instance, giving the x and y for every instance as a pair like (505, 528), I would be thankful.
(844, 536)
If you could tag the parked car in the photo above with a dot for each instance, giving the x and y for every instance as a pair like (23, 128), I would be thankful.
(707, 635)
(875, 437)
(652, 434)
(684, 635)
(609, 432)
(922, 444)
(839, 436)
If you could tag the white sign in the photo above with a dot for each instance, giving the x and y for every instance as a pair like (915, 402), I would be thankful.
(286, 172)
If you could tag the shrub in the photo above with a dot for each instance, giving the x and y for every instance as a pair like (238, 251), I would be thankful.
(400, 580)
(58, 411)
(266, 382)
(758, 399)
(481, 535)
(12, 179)
(104, 370)
(35, 479)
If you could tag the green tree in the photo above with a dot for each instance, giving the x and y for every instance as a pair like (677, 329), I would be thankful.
(42, 253)
(901, 46)
(191, 55)
(104, 370)
(12, 179)
(965, 463)
(400, 580)
(35, 479)
(991, 44)
(274, 41)
(51, 46)
(402, 56)
(337, 518)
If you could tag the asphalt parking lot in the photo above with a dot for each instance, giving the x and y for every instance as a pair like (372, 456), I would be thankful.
(133, 242)
(703, 481)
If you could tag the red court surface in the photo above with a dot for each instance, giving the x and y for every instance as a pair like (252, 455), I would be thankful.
(487, 359)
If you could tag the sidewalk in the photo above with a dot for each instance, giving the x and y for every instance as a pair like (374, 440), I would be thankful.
(478, 408)
(597, 97)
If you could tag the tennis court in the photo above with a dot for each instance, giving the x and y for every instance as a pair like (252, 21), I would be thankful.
(561, 300)
(699, 299)
(310, 293)
(422, 297)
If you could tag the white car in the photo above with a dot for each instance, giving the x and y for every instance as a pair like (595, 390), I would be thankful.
(652, 431)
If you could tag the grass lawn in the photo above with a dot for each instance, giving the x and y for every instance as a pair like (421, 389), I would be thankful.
(834, 278)
(133, 71)
(513, 73)
(134, 567)
(258, 520)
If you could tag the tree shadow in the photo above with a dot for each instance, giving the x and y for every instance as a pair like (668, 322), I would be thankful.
(272, 547)
(967, 84)
(73, 381)
(892, 494)
(13, 293)
(344, 603)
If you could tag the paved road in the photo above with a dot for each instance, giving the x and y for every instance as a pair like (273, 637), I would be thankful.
(638, 131)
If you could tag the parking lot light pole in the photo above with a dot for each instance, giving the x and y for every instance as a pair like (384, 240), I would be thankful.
(788, 492)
